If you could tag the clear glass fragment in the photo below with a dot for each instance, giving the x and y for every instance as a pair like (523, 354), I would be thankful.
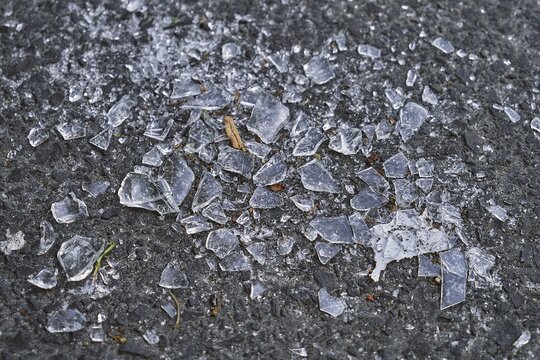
(279, 60)
(69, 320)
(424, 184)
(69, 210)
(103, 139)
(13, 242)
(96, 333)
(216, 213)
(48, 237)
(195, 224)
(235, 262)
(151, 337)
(258, 251)
(411, 78)
(368, 199)
(412, 116)
(428, 96)
(481, 264)
(71, 130)
(347, 141)
(315, 177)
(230, 51)
(147, 192)
(325, 251)
(172, 277)
(427, 268)
(396, 166)
(221, 242)
(259, 150)
(272, 172)
(304, 203)
(285, 245)
(185, 87)
(257, 289)
(369, 51)
(263, 198)
(268, 117)
(309, 144)
(329, 304)
(96, 188)
(512, 115)
(444, 45)
(120, 111)
(361, 232)
(45, 278)
(498, 212)
(319, 70)
(78, 255)
(153, 157)
(405, 192)
(454, 277)
(159, 128)
(335, 230)
(395, 97)
(236, 161)
(374, 180)
(37, 136)
(535, 124)
(211, 100)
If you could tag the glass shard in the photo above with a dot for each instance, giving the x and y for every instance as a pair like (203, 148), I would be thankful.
(211, 100)
(412, 116)
(180, 178)
(325, 251)
(151, 337)
(258, 251)
(454, 277)
(45, 279)
(396, 166)
(153, 157)
(235, 262)
(195, 224)
(319, 70)
(444, 45)
(361, 232)
(221, 242)
(172, 277)
(69, 210)
(71, 130)
(304, 203)
(268, 117)
(78, 255)
(257, 289)
(259, 150)
(285, 245)
(535, 124)
(310, 143)
(263, 198)
(120, 111)
(273, 172)
(329, 304)
(428, 268)
(347, 141)
(147, 192)
(512, 115)
(69, 320)
(405, 192)
(335, 230)
(481, 264)
(37, 136)
(368, 199)
(428, 96)
(103, 139)
(230, 51)
(96, 188)
(395, 97)
(216, 213)
(96, 333)
(185, 87)
(369, 51)
(209, 189)
(315, 177)
(374, 180)
(48, 237)
(498, 212)
(411, 78)
(425, 168)
(158, 129)
(236, 161)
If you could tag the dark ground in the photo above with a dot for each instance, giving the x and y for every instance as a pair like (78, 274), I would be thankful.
(59, 44)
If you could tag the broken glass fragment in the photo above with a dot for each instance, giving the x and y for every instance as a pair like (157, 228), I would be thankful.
(329, 304)
(374, 180)
(369, 51)
(235, 262)
(279, 60)
(258, 251)
(425, 168)
(185, 87)
(412, 116)
(69, 210)
(13, 242)
(384, 129)
(301, 124)
(428, 96)
(257, 289)
(76, 91)
(454, 277)
(535, 124)
(151, 337)
(263, 198)
(172, 277)
(221, 242)
(498, 212)
(304, 203)
(325, 251)
(195, 224)
(310, 143)
(424, 184)
(215, 213)
(158, 129)
(211, 100)
(153, 157)
(302, 352)
(259, 150)
(361, 232)
(229, 51)
(335, 230)
(147, 192)
(395, 97)
(268, 117)
(96, 333)
(405, 192)
(427, 268)
(512, 115)
(444, 45)
(96, 188)
(315, 177)
(480, 266)
(285, 245)
(71, 130)
(103, 139)
(48, 237)
(368, 199)
(396, 166)
(523, 339)
(45, 279)
(120, 111)
(69, 320)
(411, 78)
(236, 161)
(37, 136)
(78, 255)
(347, 141)
(180, 178)
(169, 309)
(273, 172)
(341, 41)
(319, 70)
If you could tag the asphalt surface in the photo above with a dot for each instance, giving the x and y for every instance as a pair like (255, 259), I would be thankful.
(48, 47)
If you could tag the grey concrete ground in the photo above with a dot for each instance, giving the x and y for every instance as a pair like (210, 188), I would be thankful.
(71, 61)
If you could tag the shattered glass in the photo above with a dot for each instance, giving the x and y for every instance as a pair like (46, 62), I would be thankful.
(69, 320)
(263, 198)
(71, 130)
(454, 277)
(272, 172)
(396, 166)
(96, 188)
(48, 237)
(368, 199)
(235, 262)
(257, 289)
(310, 143)
(268, 117)
(172, 277)
(147, 192)
(335, 230)
(319, 70)
(185, 87)
(236, 161)
(444, 45)
(158, 129)
(78, 255)
(44, 279)
(412, 116)
(315, 177)
(120, 111)
(221, 242)
(37, 136)
(69, 210)
(369, 51)
(103, 139)
(13, 242)
(329, 304)
(325, 252)
(347, 141)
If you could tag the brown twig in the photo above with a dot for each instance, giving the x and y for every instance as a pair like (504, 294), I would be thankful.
(177, 303)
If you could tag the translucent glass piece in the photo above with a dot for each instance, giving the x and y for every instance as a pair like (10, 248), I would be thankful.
(315, 177)
(369, 51)
(258, 251)
(221, 242)
(411, 78)
(259, 150)
(329, 304)
(120, 111)
(96, 188)
(230, 51)
(427, 268)
(335, 230)
(151, 337)
(172, 277)
(37, 136)
(285, 245)
(69, 210)
(535, 124)
(76, 91)
(304, 203)
(45, 279)
(347, 141)
(301, 124)
(268, 117)
(454, 277)
(361, 232)
(185, 87)
(412, 116)
(169, 309)
(368, 199)
(395, 97)
(103, 139)
(153, 157)
(396, 166)
(215, 213)
(235, 262)
(96, 333)
(13, 242)
(384, 129)
(310, 143)
(257, 289)
(405, 192)
(179, 177)
(325, 251)
(147, 192)
(279, 60)
(424, 184)
(428, 96)
(195, 224)
(523, 339)
(78, 255)
(319, 70)
(158, 129)
(481, 264)
(236, 161)
(69, 320)
(498, 212)
(512, 115)
(374, 180)
(273, 172)
(425, 168)
(48, 237)
(263, 198)
(444, 45)
(71, 130)
(211, 100)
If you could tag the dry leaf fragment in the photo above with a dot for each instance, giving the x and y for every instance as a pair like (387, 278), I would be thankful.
(232, 133)
(276, 187)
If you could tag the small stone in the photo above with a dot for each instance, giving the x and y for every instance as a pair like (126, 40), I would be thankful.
(69, 320)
